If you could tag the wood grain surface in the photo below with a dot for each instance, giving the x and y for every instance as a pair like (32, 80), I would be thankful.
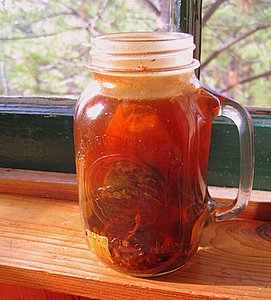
(38, 183)
(42, 246)
(15, 292)
(55, 185)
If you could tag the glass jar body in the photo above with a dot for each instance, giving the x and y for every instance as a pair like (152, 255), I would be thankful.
(142, 143)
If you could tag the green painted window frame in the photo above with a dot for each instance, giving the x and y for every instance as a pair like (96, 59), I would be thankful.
(40, 137)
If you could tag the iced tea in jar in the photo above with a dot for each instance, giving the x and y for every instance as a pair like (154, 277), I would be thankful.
(142, 138)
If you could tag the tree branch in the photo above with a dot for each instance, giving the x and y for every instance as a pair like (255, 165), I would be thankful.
(38, 35)
(233, 41)
(90, 25)
(152, 7)
(101, 10)
(64, 13)
(212, 9)
(87, 22)
(248, 79)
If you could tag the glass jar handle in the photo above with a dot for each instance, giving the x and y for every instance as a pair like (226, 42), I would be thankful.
(235, 112)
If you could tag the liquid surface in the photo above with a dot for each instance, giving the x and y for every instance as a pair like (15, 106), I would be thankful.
(141, 167)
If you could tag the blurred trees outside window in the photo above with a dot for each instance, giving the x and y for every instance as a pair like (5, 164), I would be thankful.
(44, 44)
(236, 49)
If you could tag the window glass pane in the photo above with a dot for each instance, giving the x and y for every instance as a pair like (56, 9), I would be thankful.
(44, 44)
(236, 49)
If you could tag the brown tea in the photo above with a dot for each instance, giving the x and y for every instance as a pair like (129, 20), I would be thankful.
(142, 136)
(143, 165)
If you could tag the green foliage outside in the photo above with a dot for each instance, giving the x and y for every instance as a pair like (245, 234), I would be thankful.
(246, 59)
(44, 45)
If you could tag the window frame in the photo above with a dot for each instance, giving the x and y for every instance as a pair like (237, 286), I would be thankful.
(36, 133)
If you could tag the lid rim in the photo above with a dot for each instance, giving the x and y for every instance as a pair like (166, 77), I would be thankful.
(110, 37)
(183, 68)
(137, 53)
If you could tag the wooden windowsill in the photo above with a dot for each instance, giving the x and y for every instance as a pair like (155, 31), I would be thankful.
(42, 246)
